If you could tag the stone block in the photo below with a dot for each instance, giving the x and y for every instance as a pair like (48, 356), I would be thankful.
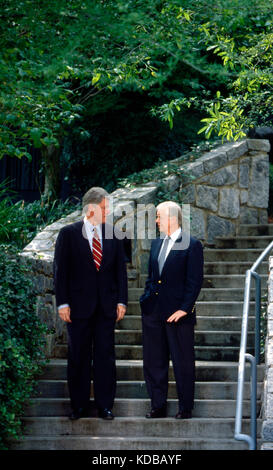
(217, 226)
(267, 430)
(258, 144)
(141, 195)
(207, 197)
(213, 160)
(269, 351)
(39, 245)
(121, 209)
(196, 168)
(143, 262)
(197, 223)
(248, 215)
(171, 183)
(270, 380)
(229, 205)
(243, 175)
(236, 149)
(270, 292)
(188, 194)
(259, 183)
(49, 345)
(263, 216)
(224, 176)
(145, 244)
(56, 226)
(243, 196)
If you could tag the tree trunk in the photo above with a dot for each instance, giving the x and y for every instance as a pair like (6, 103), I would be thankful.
(51, 158)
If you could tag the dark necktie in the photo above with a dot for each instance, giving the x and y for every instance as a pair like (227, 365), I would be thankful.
(162, 256)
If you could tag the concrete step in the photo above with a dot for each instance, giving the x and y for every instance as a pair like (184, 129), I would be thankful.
(137, 390)
(246, 241)
(218, 280)
(134, 427)
(207, 308)
(217, 293)
(233, 267)
(229, 281)
(202, 353)
(133, 370)
(209, 337)
(78, 442)
(205, 323)
(230, 254)
(139, 407)
(255, 229)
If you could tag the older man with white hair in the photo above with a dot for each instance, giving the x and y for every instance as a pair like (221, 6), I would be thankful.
(175, 278)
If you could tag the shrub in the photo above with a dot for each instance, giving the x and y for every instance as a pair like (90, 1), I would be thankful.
(21, 342)
(20, 221)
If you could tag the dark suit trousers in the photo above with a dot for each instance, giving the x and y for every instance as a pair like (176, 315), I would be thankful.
(91, 339)
(162, 341)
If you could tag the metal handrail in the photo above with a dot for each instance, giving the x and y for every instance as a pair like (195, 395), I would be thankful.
(252, 438)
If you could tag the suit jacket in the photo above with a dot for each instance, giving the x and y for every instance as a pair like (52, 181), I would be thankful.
(180, 282)
(76, 279)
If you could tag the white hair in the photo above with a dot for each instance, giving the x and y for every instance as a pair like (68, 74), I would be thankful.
(173, 210)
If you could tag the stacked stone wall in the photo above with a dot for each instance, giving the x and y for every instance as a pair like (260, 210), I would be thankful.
(223, 188)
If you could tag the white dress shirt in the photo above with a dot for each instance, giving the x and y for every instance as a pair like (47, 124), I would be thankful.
(89, 228)
(173, 237)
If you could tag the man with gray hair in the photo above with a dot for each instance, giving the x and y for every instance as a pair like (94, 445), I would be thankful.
(90, 280)
(175, 277)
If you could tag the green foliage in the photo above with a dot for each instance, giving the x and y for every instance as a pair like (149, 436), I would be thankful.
(61, 61)
(20, 221)
(249, 56)
(21, 343)
(162, 169)
(58, 56)
(22, 335)
(66, 68)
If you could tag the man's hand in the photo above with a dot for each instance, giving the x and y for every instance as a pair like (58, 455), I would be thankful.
(176, 316)
(64, 314)
(121, 310)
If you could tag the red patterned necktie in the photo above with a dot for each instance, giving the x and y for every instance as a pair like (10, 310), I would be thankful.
(96, 249)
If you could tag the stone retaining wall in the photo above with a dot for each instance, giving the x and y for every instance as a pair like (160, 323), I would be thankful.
(223, 188)
(267, 427)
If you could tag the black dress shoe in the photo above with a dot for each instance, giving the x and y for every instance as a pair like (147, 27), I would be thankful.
(184, 414)
(77, 414)
(157, 413)
(106, 414)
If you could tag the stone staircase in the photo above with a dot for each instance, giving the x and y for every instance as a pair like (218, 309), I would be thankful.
(219, 311)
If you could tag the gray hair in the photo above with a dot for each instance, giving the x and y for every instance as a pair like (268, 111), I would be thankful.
(93, 196)
(173, 209)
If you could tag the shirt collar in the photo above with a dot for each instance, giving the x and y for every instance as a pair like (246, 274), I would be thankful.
(91, 226)
(174, 236)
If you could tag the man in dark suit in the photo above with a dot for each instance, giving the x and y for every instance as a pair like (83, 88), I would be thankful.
(90, 282)
(168, 312)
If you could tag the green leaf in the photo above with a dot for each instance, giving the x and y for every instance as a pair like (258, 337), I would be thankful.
(36, 134)
(96, 78)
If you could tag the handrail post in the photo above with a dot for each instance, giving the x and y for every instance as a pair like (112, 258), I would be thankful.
(253, 402)
(252, 439)
(257, 315)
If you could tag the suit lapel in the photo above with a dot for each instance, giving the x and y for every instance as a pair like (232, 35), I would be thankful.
(171, 254)
(155, 255)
